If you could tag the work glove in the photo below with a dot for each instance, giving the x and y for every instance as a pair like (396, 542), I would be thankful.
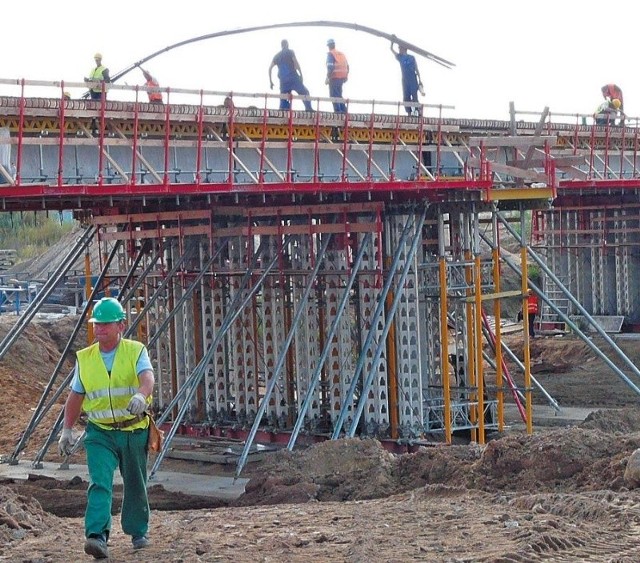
(137, 404)
(66, 442)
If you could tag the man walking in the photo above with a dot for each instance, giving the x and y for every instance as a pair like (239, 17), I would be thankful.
(411, 81)
(112, 383)
(290, 75)
(337, 74)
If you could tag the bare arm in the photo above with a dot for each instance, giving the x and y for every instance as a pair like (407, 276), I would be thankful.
(273, 63)
(147, 381)
(72, 409)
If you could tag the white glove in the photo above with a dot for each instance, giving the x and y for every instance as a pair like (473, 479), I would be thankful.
(66, 442)
(137, 404)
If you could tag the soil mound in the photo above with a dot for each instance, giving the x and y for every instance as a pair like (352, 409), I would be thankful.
(21, 515)
(348, 469)
(617, 421)
(563, 460)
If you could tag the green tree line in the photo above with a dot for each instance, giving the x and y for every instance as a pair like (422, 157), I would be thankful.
(32, 233)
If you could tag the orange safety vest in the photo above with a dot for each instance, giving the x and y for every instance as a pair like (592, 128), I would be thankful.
(532, 304)
(340, 67)
(154, 92)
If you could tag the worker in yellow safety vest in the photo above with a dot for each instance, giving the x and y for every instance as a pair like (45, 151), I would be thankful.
(113, 383)
(99, 74)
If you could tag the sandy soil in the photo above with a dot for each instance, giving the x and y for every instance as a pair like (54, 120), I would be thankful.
(558, 495)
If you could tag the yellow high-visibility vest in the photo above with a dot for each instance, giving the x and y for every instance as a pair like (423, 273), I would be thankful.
(107, 396)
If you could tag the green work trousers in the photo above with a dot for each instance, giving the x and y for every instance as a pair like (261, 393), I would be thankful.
(126, 450)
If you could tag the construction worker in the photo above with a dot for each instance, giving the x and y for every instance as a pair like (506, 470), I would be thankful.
(290, 75)
(612, 93)
(153, 88)
(337, 74)
(411, 81)
(605, 113)
(113, 382)
(532, 310)
(99, 74)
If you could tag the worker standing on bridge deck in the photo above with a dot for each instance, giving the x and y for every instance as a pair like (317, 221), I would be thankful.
(153, 87)
(411, 81)
(337, 74)
(290, 75)
(99, 74)
(112, 383)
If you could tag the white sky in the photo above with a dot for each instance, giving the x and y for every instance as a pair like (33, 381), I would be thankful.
(556, 53)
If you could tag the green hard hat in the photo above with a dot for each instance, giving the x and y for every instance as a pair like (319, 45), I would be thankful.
(108, 310)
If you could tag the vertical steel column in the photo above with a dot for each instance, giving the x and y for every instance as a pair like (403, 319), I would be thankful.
(497, 314)
(389, 320)
(188, 390)
(477, 316)
(372, 330)
(444, 331)
(282, 355)
(525, 321)
(337, 319)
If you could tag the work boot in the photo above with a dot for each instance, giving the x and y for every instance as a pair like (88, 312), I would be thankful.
(140, 542)
(96, 546)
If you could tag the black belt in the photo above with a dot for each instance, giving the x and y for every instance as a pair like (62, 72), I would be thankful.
(124, 423)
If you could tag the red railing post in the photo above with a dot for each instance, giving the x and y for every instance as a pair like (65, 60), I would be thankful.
(438, 143)
(231, 108)
(624, 129)
(371, 133)
(635, 152)
(396, 136)
(61, 122)
(20, 133)
(345, 142)
(103, 103)
(136, 121)
(263, 140)
(592, 148)
(167, 137)
(316, 145)
(420, 143)
(289, 175)
(199, 142)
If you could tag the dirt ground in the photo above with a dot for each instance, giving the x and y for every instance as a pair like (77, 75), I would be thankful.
(560, 494)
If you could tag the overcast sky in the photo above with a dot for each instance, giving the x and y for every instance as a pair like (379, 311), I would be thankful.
(556, 53)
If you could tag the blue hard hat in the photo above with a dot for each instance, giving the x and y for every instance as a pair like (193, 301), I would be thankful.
(330, 42)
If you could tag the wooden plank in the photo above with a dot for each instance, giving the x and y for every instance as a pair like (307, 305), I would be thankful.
(511, 171)
(539, 162)
(519, 141)
(492, 296)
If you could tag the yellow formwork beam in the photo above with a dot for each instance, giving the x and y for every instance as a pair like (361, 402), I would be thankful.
(503, 194)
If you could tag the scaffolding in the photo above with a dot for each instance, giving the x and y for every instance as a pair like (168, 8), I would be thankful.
(312, 274)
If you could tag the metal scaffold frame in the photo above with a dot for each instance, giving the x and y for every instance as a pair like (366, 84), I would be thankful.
(309, 275)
